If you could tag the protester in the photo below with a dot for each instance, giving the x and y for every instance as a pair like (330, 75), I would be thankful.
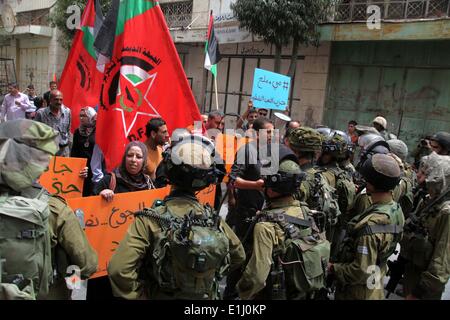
(53, 86)
(14, 105)
(157, 137)
(83, 145)
(250, 115)
(129, 176)
(59, 117)
(351, 131)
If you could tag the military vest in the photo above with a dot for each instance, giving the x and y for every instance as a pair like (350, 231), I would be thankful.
(417, 245)
(190, 255)
(347, 248)
(300, 261)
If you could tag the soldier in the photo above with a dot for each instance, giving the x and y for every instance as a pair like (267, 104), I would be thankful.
(278, 268)
(345, 161)
(426, 244)
(179, 248)
(440, 143)
(306, 143)
(334, 149)
(67, 241)
(403, 193)
(314, 189)
(380, 124)
(371, 143)
(372, 235)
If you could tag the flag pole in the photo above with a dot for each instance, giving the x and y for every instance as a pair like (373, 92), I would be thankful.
(215, 89)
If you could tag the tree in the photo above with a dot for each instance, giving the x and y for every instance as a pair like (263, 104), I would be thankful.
(60, 14)
(279, 22)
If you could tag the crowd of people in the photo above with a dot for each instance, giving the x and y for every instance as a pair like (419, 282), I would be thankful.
(323, 224)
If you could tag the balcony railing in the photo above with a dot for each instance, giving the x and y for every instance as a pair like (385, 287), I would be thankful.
(356, 10)
(178, 14)
(35, 17)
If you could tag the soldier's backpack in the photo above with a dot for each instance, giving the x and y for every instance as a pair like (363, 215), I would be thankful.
(342, 181)
(25, 249)
(303, 256)
(324, 199)
(190, 255)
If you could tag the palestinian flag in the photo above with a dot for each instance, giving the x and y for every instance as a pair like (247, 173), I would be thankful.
(143, 79)
(212, 53)
(80, 80)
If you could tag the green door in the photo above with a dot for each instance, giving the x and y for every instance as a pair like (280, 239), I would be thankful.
(406, 82)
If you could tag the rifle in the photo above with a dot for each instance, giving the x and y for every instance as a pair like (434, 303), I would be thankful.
(397, 268)
(395, 273)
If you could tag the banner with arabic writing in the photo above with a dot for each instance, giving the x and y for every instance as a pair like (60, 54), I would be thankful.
(270, 90)
(107, 222)
(62, 177)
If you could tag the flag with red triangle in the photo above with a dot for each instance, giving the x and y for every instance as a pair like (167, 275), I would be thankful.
(80, 80)
(143, 79)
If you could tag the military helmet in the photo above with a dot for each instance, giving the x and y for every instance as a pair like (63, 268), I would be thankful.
(336, 145)
(190, 163)
(436, 169)
(305, 139)
(324, 131)
(350, 144)
(26, 147)
(381, 121)
(287, 180)
(399, 148)
(443, 138)
(382, 171)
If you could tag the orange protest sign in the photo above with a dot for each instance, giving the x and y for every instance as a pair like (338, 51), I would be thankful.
(107, 222)
(227, 146)
(62, 178)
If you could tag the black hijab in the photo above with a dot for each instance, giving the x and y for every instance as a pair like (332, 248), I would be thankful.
(139, 181)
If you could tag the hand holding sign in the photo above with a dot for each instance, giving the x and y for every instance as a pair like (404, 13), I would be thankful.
(270, 90)
(63, 177)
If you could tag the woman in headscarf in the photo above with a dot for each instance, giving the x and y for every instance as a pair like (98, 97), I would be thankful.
(83, 145)
(129, 176)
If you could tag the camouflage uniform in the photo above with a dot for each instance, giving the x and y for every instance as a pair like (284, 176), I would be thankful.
(264, 274)
(426, 244)
(371, 236)
(68, 240)
(125, 269)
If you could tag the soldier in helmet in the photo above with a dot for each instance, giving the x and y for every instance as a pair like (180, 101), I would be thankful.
(275, 269)
(24, 256)
(403, 193)
(179, 248)
(380, 124)
(306, 144)
(334, 149)
(426, 243)
(371, 235)
(440, 143)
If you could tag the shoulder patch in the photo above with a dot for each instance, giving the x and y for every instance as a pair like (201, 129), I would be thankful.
(363, 250)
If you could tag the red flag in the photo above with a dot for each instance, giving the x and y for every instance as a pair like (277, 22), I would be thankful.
(80, 80)
(143, 80)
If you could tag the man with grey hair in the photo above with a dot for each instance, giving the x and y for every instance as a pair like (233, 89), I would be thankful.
(214, 119)
(58, 117)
